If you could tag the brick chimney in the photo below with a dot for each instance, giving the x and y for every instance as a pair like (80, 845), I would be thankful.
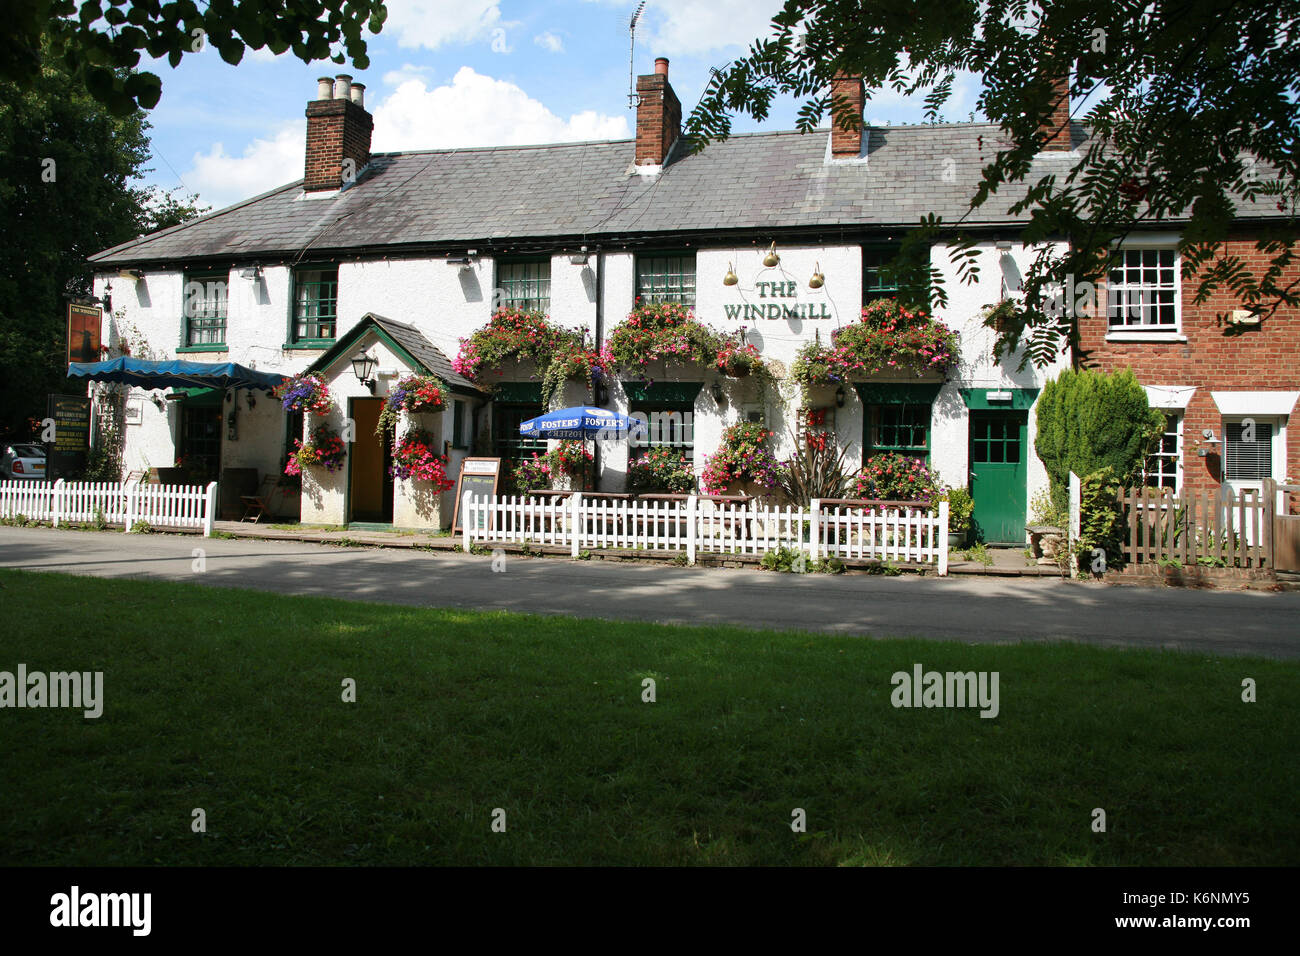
(338, 130)
(846, 143)
(1055, 127)
(658, 116)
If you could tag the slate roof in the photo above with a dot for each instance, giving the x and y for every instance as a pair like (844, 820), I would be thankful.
(759, 182)
(408, 337)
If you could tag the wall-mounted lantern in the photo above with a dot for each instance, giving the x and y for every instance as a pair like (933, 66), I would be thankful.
(363, 367)
(840, 396)
(1207, 443)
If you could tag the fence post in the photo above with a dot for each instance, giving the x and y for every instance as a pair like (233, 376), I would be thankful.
(1076, 510)
(209, 508)
(56, 503)
(131, 491)
(943, 538)
(814, 529)
(575, 509)
(692, 513)
(467, 521)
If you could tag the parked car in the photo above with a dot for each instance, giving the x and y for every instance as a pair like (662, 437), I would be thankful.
(22, 460)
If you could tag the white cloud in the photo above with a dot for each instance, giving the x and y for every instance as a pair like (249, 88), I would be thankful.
(407, 71)
(687, 27)
(477, 110)
(222, 179)
(549, 41)
(435, 23)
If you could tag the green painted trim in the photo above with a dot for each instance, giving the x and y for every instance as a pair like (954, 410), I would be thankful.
(182, 349)
(898, 393)
(685, 392)
(977, 400)
(524, 392)
(202, 397)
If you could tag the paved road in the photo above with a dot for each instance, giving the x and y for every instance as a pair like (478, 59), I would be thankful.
(975, 610)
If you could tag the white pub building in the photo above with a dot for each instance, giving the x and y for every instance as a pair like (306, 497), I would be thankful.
(401, 255)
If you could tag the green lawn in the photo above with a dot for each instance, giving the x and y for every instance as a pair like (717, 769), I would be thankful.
(230, 701)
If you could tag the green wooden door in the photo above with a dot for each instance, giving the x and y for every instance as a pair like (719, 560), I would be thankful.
(997, 475)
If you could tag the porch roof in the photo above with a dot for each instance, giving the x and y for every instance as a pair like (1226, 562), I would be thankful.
(410, 345)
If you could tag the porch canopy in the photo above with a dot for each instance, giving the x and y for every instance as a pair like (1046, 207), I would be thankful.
(174, 374)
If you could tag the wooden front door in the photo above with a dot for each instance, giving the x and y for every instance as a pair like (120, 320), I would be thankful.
(998, 475)
(370, 486)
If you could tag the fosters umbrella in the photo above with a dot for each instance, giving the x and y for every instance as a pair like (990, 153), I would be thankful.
(582, 422)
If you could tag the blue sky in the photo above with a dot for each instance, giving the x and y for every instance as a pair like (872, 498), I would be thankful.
(454, 73)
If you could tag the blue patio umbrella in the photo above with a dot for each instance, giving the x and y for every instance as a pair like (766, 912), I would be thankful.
(582, 422)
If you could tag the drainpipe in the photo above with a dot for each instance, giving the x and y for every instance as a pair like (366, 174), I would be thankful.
(600, 341)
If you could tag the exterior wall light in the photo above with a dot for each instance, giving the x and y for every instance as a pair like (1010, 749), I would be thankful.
(719, 397)
(818, 280)
(730, 278)
(771, 259)
(254, 273)
(579, 258)
(363, 367)
(1207, 443)
(839, 396)
(133, 274)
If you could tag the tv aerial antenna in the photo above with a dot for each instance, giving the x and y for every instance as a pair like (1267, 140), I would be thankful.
(633, 100)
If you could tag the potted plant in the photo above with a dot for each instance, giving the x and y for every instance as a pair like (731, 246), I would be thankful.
(744, 464)
(961, 508)
(738, 359)
(325, 449)
(890, 476)
(661, 469)
(414, 458)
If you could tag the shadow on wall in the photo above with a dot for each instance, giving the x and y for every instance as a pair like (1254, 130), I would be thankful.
(469, 285)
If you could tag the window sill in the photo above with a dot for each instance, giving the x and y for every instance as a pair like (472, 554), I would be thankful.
(1145, 337)
(307, 345)
(184, 349)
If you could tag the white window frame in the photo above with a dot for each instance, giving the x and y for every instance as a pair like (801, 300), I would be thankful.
(1277, 464)
(1148, 332)
(1175, 417)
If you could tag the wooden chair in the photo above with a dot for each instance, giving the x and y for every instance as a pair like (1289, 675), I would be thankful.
(262, 502)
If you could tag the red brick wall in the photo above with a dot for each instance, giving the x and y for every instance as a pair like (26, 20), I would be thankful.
(1215, 357)
(336, 130)
(658, 119)
(845, 142)
(1056, 127)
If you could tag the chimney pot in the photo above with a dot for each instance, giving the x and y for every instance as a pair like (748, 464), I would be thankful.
(342, 86)
(359, 94)
(338, 134)
(661, 65)
(324, 88)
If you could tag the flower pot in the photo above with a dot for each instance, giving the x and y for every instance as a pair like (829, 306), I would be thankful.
(956, 540)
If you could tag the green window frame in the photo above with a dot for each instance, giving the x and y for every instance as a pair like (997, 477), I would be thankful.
(204, 309)
(507, 443)
(666, 278)
(525, 284)
(902, 427)
(315, 305)
(457, 423)
(878, 280)
(664, 429)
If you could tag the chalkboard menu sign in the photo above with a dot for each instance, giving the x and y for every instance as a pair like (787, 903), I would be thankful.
(66, 455)
(479, 475)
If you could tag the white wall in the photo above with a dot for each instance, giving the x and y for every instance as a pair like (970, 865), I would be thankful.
(447, 303)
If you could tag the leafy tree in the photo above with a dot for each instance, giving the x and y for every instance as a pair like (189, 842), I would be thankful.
(66, 173)
(1190, 105)
(100, 42)
(1089, 421)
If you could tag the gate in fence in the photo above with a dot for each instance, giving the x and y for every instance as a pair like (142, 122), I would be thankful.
(1213, 529)
(1285, 500)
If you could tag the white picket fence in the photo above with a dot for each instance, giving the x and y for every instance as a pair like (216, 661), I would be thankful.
(694, 526)
(159, 506)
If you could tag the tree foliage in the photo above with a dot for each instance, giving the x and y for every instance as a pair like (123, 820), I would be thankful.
(1089, 421)
(1190, 106)
(67, 169)
(100, 42)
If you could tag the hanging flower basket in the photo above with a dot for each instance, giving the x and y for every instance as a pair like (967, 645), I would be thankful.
(738, 360)
(892, 338)
(578, 363)
(303, 393)
(663, 331)
(413, 394)
(325, 449)
(414, 458)
(513, 335)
